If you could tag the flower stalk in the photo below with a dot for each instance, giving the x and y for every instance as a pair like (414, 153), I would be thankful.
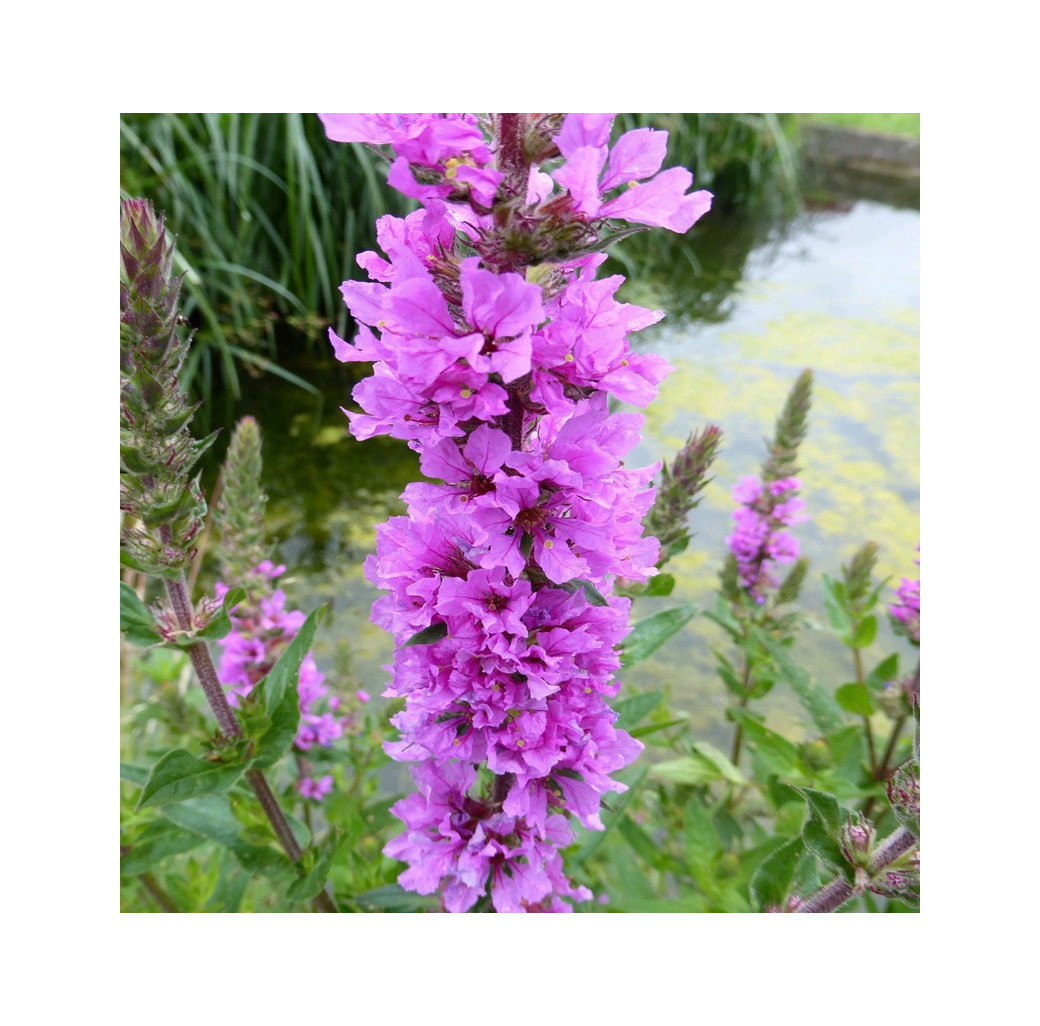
(164, 508)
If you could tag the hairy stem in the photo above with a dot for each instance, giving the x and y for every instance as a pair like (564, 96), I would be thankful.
(837, 893)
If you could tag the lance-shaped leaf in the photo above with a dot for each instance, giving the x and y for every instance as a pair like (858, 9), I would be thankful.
(428, 635)
(135, 618)
(179, 775)
(822, 831)
(279, 695)
(790, 869)
(650, 633)
(591, 593)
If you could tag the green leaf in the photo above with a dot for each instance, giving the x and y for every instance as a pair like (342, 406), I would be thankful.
(179, 775)
(650, 633)
(818, 704)
(135, 618)
(594, 838)
(836, 606)
(822, 830)
(220, 626)
(641, 843)
(709, 753)
(700, 838)
(279, 695)
(394, 898)
(159, 841)
(703, 766)
(595, 597)
(856, 699)
(636, 709)
(283, 676)
(311, 884)
(653, 728)
(777, 754)
(211, 817)
(884, 673)
(133, 774)
(772, 882)
(866, 631)
(661, 585)
(428, 635)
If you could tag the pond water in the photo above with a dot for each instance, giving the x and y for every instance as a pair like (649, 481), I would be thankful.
(749, 308)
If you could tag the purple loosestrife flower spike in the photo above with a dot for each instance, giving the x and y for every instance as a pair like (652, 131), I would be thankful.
(906, 610)
(495, 351)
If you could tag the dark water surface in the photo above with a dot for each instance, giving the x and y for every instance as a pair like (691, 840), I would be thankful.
(747, 309)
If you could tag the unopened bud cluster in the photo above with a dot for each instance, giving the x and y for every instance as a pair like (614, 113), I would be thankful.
(678, 491)
(164, 505)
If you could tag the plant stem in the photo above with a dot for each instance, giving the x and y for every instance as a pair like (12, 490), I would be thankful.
(839, 892)
(177, 590)
(738, 737)
(161, 898)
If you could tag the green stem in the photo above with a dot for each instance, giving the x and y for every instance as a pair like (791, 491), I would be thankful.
(161, 898)
(738, 737)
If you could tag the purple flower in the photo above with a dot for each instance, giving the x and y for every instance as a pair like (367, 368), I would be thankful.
(315, 789)
(759, 542)
(495, 352)
(906, 610)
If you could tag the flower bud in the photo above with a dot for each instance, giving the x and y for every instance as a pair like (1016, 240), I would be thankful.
(904, 794)
(857, 840)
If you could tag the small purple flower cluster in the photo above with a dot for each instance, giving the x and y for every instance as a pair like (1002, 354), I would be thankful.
(495, 349)
(759, 541)
(906, 612)
(261, 630)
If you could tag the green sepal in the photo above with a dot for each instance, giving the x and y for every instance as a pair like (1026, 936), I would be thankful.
(428, 635)
(135, 619)
(856, 699)
(781, 874)
(650, 633)
(134, 462)
(179, 775)
(181, 505)
(594, 596)
(220, 626)
(127, 560)
(636, 709)
(279, 696)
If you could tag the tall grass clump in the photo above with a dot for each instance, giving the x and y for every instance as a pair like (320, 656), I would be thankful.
(270, 216)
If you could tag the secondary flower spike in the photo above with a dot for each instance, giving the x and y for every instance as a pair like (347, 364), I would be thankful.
(495, 351)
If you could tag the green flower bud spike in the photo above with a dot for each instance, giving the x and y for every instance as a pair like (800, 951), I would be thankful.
(164, 507)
